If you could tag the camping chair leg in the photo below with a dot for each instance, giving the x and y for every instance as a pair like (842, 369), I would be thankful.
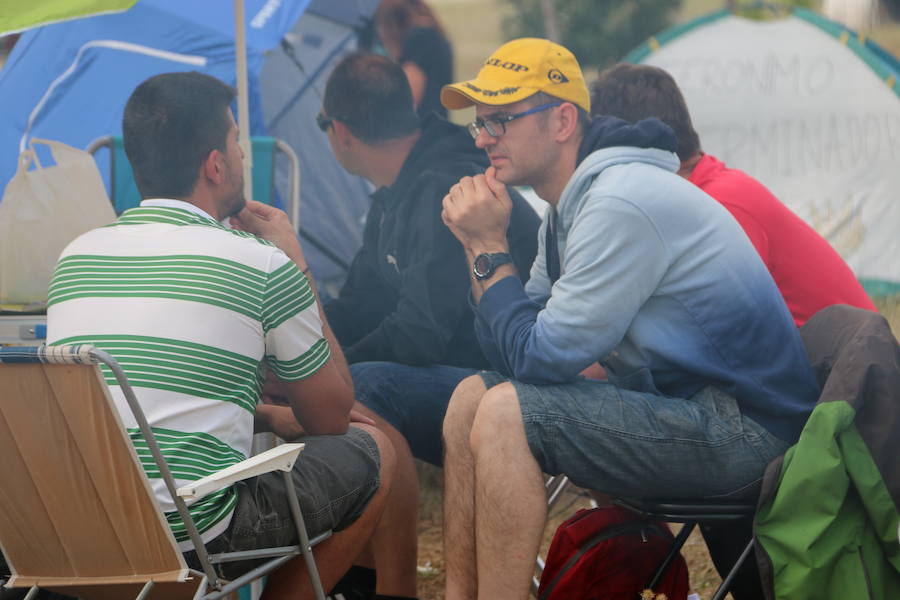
(32, 593)
(304, 538)
(726, 583)
(145, 591)
(235, 584)
(556, 486)
(536, 579)
(679, 541)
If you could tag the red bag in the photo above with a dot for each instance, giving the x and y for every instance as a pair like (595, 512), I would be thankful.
(609, 553)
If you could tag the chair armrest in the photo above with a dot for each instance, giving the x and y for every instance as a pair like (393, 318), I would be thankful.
(280, 458)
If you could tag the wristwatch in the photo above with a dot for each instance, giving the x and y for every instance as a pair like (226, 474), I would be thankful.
(485, 264)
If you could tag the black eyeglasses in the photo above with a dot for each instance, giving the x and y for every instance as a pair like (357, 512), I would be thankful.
(495, 125)
(324, 121)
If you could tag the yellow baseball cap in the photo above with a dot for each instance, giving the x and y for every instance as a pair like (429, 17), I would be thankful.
(519, 69)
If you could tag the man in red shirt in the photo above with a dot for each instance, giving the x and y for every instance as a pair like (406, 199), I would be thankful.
(807, 270)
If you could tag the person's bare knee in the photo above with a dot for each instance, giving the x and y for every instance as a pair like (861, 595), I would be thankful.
(399, 442)
(386, 453)
(497, 415)
(461, 410)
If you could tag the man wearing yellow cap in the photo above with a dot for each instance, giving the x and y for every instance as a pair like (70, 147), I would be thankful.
(637, 270)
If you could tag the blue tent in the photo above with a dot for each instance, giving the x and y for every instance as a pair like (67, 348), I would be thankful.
(70, 81)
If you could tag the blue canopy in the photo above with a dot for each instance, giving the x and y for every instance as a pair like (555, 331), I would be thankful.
(69, 82)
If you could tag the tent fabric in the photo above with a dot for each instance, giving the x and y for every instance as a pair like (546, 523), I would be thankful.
(17, 16)
(333, 203)
(70, 81)
(809, 108)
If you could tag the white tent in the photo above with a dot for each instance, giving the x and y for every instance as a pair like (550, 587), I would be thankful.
(810, 109)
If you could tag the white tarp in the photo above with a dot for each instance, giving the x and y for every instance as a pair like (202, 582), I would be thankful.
(796, 108)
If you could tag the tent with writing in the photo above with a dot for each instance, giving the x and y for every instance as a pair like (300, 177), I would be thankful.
(810, 109)
(69, 82)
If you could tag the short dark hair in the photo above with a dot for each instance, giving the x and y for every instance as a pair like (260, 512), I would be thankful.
(635, 92)
(371, 96)
(539, 98)
(170, 125)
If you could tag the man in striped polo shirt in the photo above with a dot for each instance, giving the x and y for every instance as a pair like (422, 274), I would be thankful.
(194, 311)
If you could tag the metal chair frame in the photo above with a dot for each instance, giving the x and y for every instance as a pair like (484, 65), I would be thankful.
(670, 511)
(690, 514)
(106, 141)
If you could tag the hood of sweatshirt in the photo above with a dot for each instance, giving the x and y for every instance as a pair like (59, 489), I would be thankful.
(606, 131)
(575, 193)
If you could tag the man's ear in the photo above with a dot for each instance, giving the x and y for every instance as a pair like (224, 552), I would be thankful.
(567, 121)
(213, 167)
(342, 135)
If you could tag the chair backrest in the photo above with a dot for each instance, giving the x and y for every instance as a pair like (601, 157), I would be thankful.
(124, 193)
(75, 506)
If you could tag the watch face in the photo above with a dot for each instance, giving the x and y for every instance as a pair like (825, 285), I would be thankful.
(482, 265)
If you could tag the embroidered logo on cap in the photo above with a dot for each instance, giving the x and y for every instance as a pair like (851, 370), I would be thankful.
(506, 64)
(556, 76)
(491, 93)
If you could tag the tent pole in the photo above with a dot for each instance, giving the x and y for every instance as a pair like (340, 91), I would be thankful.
(240, 66)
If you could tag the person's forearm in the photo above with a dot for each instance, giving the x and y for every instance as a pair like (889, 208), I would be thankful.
(280, 420)
(261, 421)
(489, 345)
(480, 286)
(512, 319)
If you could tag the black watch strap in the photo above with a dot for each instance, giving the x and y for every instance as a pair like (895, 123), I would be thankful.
(485, 264)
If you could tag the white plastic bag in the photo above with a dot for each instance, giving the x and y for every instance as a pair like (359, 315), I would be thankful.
(42, 211)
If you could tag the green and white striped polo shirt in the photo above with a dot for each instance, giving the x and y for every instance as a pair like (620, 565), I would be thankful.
(189, 309)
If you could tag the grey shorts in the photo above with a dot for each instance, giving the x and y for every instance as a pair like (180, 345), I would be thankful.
(640, 445)
(335, 477)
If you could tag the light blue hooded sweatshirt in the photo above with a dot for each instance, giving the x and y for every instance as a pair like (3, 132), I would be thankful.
(661, 285)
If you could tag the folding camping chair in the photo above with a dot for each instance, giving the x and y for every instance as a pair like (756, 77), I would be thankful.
(124, 194)
(77, 513)
(691, 513)
(823, 336)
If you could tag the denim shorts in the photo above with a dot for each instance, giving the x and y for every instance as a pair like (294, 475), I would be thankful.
(412, 399)
(641, 445)
(335, 477)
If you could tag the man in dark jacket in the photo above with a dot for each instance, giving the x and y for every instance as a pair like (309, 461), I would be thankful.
(403, 315)
(404, 300)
